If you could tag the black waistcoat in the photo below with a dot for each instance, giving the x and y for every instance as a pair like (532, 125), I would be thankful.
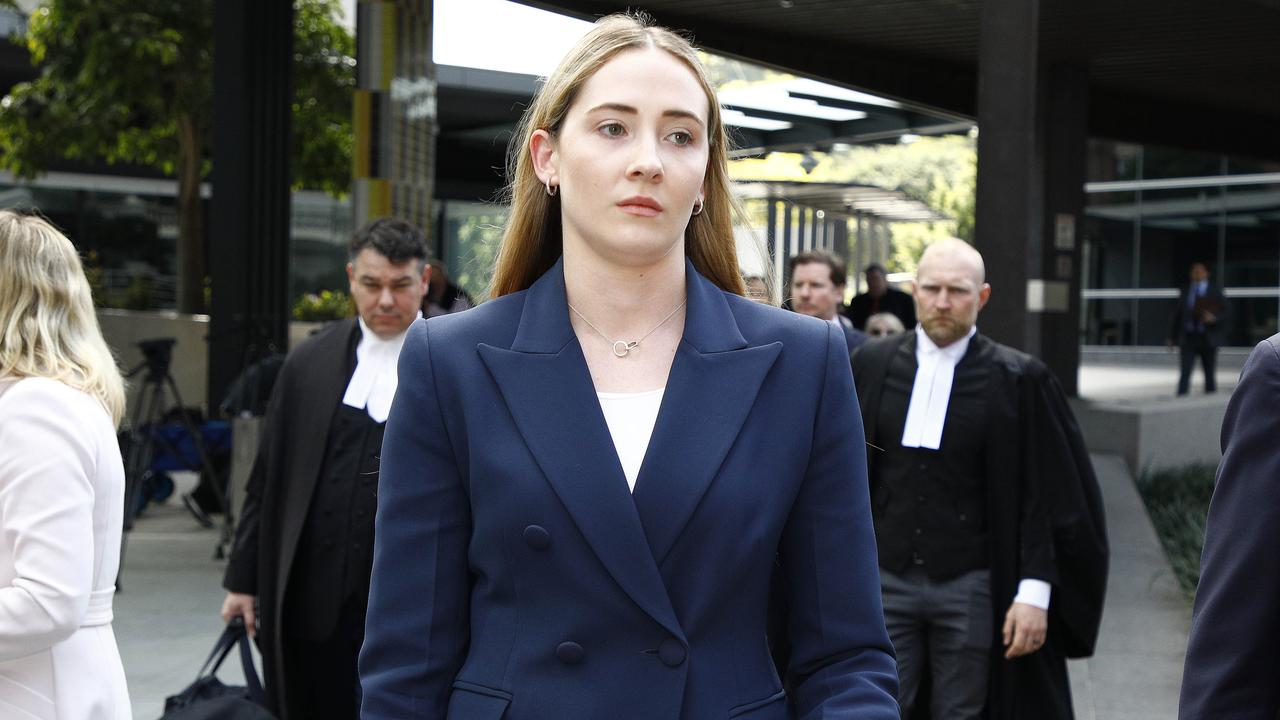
(929, 506)
(335, 552)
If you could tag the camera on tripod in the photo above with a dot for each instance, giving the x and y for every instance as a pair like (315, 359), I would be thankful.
(157, 355)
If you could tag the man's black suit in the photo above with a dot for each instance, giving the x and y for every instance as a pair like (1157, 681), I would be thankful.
(283, 554)
(1233, 657)
(1034, 457)
(1196, 335)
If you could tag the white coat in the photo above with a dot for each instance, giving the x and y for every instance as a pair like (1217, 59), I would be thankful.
(61, 512)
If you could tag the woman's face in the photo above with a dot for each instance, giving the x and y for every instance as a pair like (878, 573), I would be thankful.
(630, 158)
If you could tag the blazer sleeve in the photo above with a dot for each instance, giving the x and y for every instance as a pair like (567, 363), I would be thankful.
(841, 661)
(1232, 653)
(418, 625)
(47, 467)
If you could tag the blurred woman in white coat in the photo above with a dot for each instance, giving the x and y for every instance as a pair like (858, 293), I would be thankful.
(61, 485)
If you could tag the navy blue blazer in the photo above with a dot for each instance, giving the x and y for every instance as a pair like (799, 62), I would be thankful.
(1233, 654)
(515, 576)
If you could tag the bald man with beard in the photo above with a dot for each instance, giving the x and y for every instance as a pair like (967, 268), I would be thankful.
(988, 518)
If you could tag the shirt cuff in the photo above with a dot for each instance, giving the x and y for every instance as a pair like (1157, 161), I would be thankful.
(1033, 592)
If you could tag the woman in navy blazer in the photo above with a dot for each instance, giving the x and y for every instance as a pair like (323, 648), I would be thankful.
(521, 571)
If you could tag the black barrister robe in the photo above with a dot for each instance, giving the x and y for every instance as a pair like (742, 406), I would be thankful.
(1033, 446)
(309, 389)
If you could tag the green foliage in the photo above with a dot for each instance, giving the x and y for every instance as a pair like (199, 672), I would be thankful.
(118, 78)
(940, 172)
(472, 261)
(139, 295)
(327, 305)
(1178, 503)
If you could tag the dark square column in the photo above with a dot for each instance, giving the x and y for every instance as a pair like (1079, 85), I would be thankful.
(249, 222)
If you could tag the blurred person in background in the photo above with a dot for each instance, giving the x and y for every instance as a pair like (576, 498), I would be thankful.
(884, 324)
(443, 297)
(817, 290)
(299, 569)
(61, 485)
(878, 298)
(1196, 328)
(757, 289)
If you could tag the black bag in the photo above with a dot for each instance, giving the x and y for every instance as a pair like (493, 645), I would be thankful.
(208, 699)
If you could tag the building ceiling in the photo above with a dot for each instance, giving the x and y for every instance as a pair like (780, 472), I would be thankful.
(1192, 73)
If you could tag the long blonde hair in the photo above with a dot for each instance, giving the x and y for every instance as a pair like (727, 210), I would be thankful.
(531, 243)
(47, 325)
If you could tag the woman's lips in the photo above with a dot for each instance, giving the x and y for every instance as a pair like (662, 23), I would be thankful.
(641, 206)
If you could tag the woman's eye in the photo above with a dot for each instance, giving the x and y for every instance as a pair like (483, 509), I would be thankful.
(613, 129)
(680, 137)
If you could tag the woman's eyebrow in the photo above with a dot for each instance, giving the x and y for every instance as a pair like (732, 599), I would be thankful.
(629, 110)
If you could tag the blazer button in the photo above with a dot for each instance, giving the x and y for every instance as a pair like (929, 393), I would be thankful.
(570, 653)
(671, 652)
(537, 537)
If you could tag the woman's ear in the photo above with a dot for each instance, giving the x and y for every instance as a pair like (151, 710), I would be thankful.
(546, 161)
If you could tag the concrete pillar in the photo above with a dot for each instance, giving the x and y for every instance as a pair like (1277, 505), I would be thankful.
(1065, 126)
(1009, 211)
(395, 122)
(249, 220)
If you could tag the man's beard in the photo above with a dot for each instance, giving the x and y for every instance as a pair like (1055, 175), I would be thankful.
(945, 329)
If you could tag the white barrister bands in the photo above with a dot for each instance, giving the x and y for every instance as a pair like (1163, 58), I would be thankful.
(373, 384)
(935, 369)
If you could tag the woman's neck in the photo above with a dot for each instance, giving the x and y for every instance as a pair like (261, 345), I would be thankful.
(624, 301)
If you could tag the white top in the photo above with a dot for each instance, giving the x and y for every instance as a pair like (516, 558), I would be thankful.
(61, 515)
(631, 417)
(373, 384)
(927, 413)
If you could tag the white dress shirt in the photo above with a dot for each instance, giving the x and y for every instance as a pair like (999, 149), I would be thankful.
(927, 413)
(373, 384)
(631, 417)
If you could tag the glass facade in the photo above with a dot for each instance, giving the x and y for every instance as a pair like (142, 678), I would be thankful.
(1152, 212)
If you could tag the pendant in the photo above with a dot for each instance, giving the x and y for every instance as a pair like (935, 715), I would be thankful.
(622, 348)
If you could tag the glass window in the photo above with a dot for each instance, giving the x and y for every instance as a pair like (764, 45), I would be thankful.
(1109, 239)
(1111, 160)
(1164, 162)
(320, 237)
(472, 233)
(1179, 227)
(1108, 322)
(1252, 220)
(1250, 320)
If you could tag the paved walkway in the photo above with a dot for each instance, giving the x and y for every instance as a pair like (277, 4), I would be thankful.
(1137, 670)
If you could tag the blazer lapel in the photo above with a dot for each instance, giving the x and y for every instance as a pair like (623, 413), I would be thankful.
(547, 387)
(712, 387)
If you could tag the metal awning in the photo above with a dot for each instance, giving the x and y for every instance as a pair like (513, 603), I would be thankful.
(845, 200)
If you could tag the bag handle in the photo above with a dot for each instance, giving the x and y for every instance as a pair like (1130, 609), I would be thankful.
(251, 681)
(234, 635)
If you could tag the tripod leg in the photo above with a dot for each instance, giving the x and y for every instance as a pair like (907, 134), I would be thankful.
(197, 440)
(145, 415)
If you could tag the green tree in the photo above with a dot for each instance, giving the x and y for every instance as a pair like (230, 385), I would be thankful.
(131, 81)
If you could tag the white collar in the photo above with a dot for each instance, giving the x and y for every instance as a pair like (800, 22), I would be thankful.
(374, 382)
(931, 390)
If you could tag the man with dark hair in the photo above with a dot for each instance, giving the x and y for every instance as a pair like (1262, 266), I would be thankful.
(1196, 326)
(299, 570)
(817, 289)
(880, 298)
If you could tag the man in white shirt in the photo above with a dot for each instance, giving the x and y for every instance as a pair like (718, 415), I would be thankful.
(965, 511)
(299, 571)
(817, 289)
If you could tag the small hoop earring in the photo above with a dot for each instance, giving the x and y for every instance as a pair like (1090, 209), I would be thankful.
(697, 209)
(552, 189)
